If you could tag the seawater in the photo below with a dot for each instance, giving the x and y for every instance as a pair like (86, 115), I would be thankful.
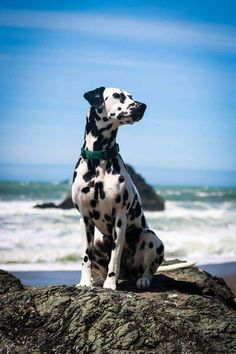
(198, 223)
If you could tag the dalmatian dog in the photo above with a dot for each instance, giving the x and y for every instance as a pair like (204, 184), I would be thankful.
(116, 239)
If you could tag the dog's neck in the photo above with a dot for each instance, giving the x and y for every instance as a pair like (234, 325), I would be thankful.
(100, 132)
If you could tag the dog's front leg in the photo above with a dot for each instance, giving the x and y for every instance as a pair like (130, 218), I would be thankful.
(118, 237)
(87, 235)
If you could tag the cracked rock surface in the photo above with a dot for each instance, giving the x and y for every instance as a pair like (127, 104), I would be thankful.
(185, 311)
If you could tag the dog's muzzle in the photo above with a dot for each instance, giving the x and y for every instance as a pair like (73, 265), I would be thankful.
(138, 112)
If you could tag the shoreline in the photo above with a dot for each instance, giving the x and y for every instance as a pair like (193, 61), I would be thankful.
(59, 274)
(76, 266)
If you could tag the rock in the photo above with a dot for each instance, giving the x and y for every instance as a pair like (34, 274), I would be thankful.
(66, 204)
(185, 311)
(150, 199)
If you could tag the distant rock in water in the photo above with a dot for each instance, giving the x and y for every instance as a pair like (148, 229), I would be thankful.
(185, 311)
(150, 199)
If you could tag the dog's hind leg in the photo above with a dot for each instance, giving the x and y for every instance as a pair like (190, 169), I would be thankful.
(87, 235)
(148, 256)
(118, 238)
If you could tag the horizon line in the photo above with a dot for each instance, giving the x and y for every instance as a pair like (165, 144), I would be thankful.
(182, 169)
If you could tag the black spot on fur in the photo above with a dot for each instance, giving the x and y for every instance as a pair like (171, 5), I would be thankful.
(96, 215)
(160, 249)
(85, 190)
(121, 179)
(142, 246)
(85, 220)
(132, 205)
(74, 176)
(89, 253)
(151, 245)
(118, 199)
(89, 237)
(88, 176)
(109, 228)
(125, 197)
(107, 217)
(86, 259)
(112, 274)
(132, 235)
(122, 98)
(113, 211)
(143, 221)
(112, 136)
(105, 119)
(108, 126)
(108, 166)
(102, 193)
(93, 203)
(113, 245)
(91, 229)
(115, 166)
(119, 224)
(77, 163)
(161, 259)
(99, 191)
(138, 210)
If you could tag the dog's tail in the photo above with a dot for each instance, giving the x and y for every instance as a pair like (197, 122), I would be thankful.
(180, 265)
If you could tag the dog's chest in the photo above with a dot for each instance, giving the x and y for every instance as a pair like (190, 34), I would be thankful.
(100, 191)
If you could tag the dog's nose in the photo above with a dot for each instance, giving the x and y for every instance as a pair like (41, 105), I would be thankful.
(138, 112)
(142, 107)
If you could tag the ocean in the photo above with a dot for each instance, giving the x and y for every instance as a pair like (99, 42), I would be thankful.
(199, 223)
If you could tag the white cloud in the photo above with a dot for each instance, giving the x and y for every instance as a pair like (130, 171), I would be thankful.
(204, 36)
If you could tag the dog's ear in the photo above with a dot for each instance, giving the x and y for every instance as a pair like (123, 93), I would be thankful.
(95, 97)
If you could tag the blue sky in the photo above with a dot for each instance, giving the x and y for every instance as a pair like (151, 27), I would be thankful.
(177, 56)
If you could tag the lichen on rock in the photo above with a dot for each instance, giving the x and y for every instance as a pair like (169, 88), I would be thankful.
(185, 311)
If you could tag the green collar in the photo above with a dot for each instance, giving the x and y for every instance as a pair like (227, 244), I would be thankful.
(100, 154)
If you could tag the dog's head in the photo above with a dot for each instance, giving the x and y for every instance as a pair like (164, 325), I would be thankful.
(116, 105)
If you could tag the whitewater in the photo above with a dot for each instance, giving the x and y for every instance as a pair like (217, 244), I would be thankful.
(197, 224)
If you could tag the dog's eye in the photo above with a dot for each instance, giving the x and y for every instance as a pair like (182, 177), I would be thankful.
(116, 95)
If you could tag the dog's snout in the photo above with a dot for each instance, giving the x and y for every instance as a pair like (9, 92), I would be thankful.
(142, 107)
(138, 111)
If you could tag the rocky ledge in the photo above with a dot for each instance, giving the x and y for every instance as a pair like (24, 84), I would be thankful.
(150, 199)
(186, 311)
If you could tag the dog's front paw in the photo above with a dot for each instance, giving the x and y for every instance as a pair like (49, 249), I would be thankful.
(109, 284)
(143, 283)
(87, 283)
